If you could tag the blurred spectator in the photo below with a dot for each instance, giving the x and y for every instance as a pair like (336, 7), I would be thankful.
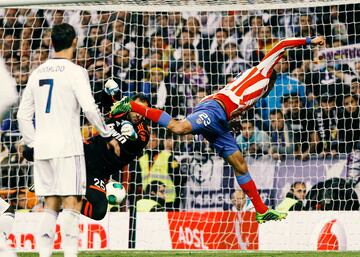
(281, 21)
(104, 20)
(187, 81)
(46, 39)
(21, 77)
(81, 22)
(333, 24)
(10, 23)
(99, 73)
(300, 122)
(251, 141)
(250, 39)
(349, 124)
(83, 57)
(125, 71)
(228, 22)
(154, 59)
(323, 140)
(234, 63)
(216, 65)
(305, 27)
(355, 86)
(105, 50)
(294, 200)
(176, 23)
(266, 42)
(154, 198)
(39, 56)
(35, 25)
(93, 38)
(162, 166)
(154, 87)
(282, 138)
(199, 43)
(284, 85)
(159, 44)
(240, 202)
(121, 32)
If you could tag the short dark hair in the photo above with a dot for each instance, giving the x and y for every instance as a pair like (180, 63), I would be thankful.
(188, 46)
(62, 36)
(142, 98)
(222, 30)
(293, 185)
(276, 111)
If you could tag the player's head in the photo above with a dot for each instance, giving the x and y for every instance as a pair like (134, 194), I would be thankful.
(351, 103)
(134, 117)
(63, 36)
(156, 189)
(238, 199)
(299, 190)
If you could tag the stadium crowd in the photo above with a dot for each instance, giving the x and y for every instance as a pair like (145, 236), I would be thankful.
(178, 58)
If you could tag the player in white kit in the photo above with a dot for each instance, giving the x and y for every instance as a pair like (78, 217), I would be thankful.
(55, 92)
(8, 97)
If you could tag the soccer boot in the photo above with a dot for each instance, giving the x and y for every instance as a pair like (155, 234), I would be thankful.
(270, 214)
(122, 106)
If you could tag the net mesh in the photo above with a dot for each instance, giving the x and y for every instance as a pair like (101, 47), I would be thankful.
(301, 140)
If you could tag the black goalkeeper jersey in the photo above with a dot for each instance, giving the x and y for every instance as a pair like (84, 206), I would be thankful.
(102, 162)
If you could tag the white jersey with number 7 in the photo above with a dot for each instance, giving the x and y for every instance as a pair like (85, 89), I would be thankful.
(54, 93)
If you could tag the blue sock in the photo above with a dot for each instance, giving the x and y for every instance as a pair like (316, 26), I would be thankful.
(164, 119)
(243, 179)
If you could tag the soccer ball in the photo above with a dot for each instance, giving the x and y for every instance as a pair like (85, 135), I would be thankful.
(115, 192)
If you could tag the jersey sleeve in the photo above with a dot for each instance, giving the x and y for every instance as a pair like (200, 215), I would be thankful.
(275, 54)
(81, 87)
(25, 116)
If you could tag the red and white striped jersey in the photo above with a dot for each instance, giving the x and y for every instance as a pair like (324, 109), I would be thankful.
(246, 88)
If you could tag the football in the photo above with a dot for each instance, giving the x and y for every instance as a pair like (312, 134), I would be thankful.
(115, 192)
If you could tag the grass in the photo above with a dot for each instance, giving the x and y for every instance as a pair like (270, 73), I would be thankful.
(202, 254)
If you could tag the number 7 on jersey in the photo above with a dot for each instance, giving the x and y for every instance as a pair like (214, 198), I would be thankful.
(50, 82)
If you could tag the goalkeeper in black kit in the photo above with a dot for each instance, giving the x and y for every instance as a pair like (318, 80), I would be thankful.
(101, 161)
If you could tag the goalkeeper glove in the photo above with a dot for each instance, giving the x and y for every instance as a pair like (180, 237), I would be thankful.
(128, 130)
(111, 87)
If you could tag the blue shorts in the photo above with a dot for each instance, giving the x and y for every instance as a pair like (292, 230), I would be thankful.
(209, 119)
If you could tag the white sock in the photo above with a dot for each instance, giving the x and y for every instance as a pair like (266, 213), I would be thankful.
(6, 223)
(70, 232)
(46, 233)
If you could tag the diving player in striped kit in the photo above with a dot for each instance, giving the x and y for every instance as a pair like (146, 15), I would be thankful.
(210, 118)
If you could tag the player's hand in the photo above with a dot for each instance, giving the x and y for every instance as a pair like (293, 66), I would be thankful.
(127, 130)
(111, 87)
(114, 144)
(318, 41)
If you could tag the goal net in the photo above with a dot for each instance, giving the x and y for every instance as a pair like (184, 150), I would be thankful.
(301, 142)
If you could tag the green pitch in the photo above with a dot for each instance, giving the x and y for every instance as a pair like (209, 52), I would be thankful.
(202, 254)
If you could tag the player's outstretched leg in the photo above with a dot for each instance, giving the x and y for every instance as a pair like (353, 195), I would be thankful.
(263, 213)
(178, 127)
